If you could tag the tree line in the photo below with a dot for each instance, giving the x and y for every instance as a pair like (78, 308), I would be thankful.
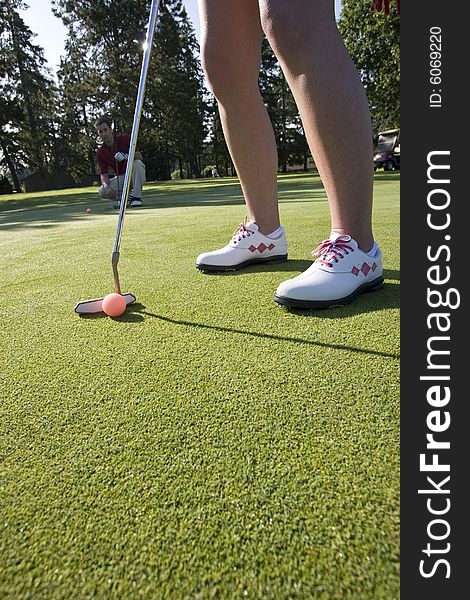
(47, 124)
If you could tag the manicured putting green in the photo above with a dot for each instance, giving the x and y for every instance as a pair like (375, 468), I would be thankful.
(207, 443)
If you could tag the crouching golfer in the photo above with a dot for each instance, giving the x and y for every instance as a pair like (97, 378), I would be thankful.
(336, 119)
(112, 158)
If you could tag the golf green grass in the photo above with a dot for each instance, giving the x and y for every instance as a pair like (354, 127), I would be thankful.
(208, 443)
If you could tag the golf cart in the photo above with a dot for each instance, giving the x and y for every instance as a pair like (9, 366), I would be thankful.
(387, 150)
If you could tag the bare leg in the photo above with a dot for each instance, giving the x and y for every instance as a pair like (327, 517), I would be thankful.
(231, 37)
(332, 104)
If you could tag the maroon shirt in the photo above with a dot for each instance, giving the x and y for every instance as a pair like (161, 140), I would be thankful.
(105, 155)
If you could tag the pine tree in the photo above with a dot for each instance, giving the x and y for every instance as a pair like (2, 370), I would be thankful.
(217, 152)
(193, 101)
(283, 111)
(9, 115)
(176, 109)
(106, 37)
(373, 40)
(78, 80)
(101, 76)
(28, 94)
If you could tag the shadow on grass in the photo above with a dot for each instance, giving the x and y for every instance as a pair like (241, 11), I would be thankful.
(388, 297)
(48, 210)
(258, 334)
(387, 176)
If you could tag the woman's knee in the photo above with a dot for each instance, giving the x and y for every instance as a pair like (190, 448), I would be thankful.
(229, 73)
(293, 29)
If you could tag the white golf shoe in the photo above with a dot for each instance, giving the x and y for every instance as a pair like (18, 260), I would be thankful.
(247, 246)
(340, 273)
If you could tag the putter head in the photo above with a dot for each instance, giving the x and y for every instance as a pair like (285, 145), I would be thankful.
(93, 307)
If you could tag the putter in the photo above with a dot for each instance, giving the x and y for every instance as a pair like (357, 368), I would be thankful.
(88, 307)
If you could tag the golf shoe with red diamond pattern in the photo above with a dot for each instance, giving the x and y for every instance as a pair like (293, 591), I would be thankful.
(247, 246)
(341, 272)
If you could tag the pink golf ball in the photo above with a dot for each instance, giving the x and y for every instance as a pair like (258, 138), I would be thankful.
(114, 305)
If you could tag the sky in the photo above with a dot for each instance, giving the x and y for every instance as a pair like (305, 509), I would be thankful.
(51, 32)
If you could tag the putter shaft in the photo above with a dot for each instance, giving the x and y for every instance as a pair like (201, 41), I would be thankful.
(134, 135)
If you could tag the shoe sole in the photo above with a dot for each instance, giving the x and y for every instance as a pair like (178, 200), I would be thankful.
(252, 261)
(372, 286)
